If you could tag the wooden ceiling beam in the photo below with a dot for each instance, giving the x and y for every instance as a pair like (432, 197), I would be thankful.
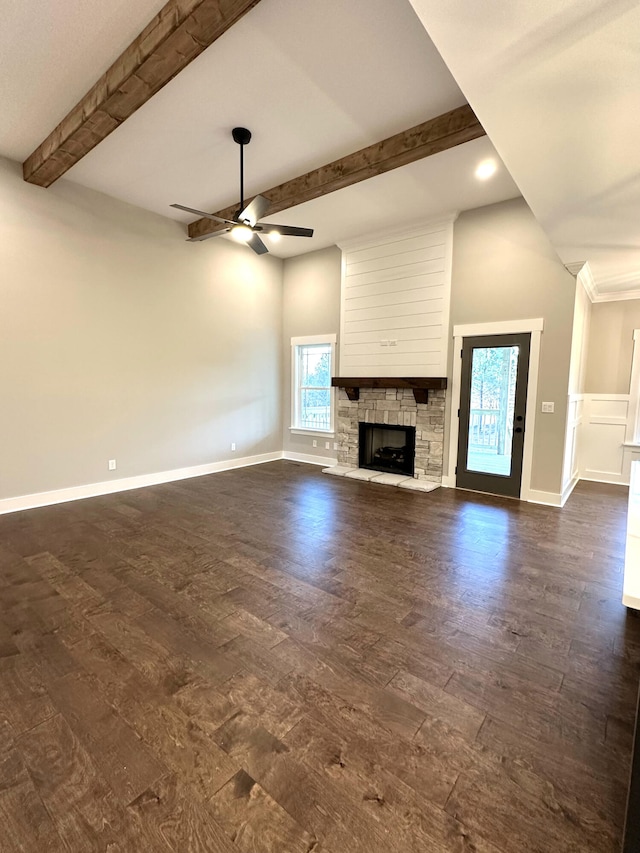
(432, 136)
(174, 38)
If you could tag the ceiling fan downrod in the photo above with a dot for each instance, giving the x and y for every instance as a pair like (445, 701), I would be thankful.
(245, 226)
(243, 137)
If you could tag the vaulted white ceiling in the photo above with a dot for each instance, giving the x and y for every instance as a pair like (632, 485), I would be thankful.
(554, 86)
(51, 53)
(313, 81)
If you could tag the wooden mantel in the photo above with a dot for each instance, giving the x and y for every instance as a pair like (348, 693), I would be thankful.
(420, 385)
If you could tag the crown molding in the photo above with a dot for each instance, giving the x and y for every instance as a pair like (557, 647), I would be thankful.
(575, 267)
(626, 287)
(586, 279)
(582, 272)
(617, 296)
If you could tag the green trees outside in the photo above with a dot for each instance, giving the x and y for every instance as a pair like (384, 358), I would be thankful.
(493, 379)
(315, 390)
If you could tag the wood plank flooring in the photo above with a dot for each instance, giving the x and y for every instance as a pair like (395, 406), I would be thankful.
(274, 660)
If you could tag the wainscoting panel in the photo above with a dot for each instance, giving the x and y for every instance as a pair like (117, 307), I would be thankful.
(571, 471)
(602, 453)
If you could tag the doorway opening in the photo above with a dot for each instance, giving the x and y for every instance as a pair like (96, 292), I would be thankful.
(493, 399)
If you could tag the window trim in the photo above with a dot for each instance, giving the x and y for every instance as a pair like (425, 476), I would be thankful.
(311, 340)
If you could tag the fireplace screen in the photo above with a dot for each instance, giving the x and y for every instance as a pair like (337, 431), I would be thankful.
(387, 448)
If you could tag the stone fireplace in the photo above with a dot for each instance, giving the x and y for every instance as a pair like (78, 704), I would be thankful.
(394, 329)
(393, 406)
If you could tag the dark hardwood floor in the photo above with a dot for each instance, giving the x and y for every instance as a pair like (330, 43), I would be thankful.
(271, 659)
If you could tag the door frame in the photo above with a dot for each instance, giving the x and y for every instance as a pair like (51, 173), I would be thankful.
(535, 328)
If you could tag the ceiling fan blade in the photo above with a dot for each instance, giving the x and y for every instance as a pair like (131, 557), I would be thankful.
(208, 236)
(286, 230)
(201, 213)
(255, 210)
(257, 245)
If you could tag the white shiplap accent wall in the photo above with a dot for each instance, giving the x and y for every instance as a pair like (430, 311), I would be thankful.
(396, 292)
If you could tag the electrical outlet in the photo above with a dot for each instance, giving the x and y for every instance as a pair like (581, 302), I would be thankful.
(335, 445)
(112, 464)
(327, 445)
(393, 343)
(548, 408)
(233, 445)
(315, 442)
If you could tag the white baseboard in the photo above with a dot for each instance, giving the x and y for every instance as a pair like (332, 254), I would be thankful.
(545, 498)
(325, 461)
(566, 492)
(594, 477)
(93, 490)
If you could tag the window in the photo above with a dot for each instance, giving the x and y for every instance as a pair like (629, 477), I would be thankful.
(312, 368)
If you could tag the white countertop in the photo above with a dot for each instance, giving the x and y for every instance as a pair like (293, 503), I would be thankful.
(631, 585)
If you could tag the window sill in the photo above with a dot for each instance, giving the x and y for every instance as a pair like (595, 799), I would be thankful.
(329, 433)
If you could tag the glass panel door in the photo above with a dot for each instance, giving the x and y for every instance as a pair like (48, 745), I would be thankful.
(492, 409)
(493, 395)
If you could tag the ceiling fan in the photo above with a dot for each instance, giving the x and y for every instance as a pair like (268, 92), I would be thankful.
(245, 226)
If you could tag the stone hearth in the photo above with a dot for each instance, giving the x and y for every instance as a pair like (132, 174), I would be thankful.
(396, 407)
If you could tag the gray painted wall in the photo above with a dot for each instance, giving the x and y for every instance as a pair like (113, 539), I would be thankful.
(611, 346)
(504, 268)
(120, 340)
(310, 306)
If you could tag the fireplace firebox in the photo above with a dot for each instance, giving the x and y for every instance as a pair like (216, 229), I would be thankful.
(383, 447)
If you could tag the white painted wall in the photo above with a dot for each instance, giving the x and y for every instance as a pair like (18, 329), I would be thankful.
(120, 340)
(580, 339)
(574, 437)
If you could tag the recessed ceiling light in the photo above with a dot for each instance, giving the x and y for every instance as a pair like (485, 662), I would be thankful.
(486, 169)
(274, 235)
(241, 233)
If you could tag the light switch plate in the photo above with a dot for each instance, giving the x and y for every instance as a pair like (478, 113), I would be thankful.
(548, 407)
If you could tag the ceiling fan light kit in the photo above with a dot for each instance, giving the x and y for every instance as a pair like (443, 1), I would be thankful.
(241, 233)
(245, 226)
